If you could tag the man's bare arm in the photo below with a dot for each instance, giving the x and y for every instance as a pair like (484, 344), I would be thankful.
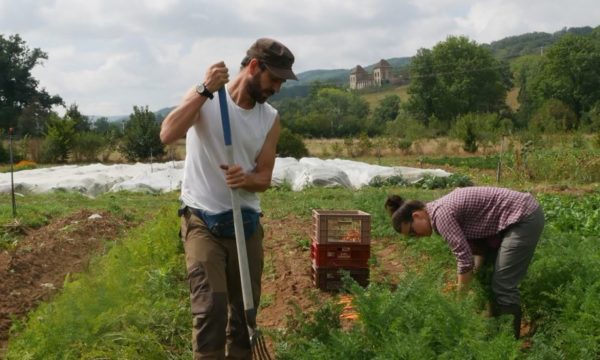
(260, 179)
(177, 123)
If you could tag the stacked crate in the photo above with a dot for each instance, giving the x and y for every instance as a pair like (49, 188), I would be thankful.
(341, 241)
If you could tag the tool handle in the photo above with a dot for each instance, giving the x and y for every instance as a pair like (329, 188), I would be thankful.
(240, 237)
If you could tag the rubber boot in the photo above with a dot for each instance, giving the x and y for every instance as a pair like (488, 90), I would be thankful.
(515, 311)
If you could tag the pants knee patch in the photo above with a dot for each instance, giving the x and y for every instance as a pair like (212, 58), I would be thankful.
(209, 327)
(200, 290)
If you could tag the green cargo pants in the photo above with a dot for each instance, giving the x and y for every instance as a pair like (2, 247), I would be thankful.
(219, 327)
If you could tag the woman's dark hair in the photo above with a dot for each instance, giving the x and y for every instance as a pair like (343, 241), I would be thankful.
(401, 210)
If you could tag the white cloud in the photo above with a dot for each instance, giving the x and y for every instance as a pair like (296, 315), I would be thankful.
(108, 55)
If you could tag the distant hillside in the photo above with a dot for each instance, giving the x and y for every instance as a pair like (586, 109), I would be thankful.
(531, 43)
(335, 76)
(339, 77)
(160, 115)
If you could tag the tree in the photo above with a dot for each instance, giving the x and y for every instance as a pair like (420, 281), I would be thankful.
(457, 77)
(570, 72)
(477, 129)
(18, 88)
(142, 136)
(82, 122)
(386, 111)
(59, 140)
(406, 126)
(525, 69)
(33, 120)
(345, 112)
(291, 144)
(326, 112)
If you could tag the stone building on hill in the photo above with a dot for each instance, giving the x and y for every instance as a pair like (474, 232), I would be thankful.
(382, 74)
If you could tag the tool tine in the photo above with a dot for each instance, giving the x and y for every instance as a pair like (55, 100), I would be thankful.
(259, 347)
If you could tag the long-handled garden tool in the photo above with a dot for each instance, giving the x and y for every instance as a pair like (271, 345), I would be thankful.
(259, 347)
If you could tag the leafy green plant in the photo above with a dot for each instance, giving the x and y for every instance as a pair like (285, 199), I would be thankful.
(394, 180)
(59, 141)
(413, 321)
(441, 182)
(291, 144)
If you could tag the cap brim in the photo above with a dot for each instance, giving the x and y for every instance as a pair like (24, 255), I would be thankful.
(287, 74)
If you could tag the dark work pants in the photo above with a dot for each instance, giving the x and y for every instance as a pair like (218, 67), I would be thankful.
(514, 256)
(219, 327)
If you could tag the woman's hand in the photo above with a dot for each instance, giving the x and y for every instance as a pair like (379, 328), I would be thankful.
(464, 280)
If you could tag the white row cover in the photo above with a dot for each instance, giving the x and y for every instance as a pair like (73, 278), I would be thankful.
(95, 179)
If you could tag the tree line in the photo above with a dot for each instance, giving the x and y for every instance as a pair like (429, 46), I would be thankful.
(457, 88)
(26, 112)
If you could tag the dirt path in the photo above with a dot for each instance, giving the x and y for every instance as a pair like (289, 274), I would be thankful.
(36, 269)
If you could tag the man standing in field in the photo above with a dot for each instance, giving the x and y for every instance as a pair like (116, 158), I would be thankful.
(219, 326)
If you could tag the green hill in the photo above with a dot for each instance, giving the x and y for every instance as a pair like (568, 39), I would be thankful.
(531, 43)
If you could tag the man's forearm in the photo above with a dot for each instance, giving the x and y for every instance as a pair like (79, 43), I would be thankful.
(177, 123)
(256, 182)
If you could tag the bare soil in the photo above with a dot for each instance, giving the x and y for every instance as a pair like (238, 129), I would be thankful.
(35, 270)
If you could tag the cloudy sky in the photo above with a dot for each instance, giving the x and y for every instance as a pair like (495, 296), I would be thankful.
(108, 55)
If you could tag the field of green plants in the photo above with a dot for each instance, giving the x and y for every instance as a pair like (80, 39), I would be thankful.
(133, 302)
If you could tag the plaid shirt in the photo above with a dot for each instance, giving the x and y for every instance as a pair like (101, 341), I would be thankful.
(476, 213)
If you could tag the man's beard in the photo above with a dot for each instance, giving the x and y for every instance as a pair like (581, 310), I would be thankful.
(256, 92)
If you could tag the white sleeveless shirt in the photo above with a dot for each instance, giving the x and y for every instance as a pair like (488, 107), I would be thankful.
(204, 185)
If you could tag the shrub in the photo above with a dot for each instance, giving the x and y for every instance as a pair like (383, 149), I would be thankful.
(350, 147)
(291, 144)
(475, 129)
(553, 116)
(364, 144)
(337, 149)
(88, 146)
(406, 126)
(141, 140)
(394, 180)
(58, 144)
(441, 182)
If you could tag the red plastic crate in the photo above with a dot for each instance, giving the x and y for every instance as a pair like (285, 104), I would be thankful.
(340, 255)
(330, 279)
(341, 226)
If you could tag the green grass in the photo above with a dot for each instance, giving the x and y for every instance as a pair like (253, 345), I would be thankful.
(37, 210)
(132, 304)
(374, 98)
